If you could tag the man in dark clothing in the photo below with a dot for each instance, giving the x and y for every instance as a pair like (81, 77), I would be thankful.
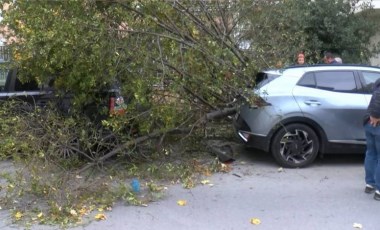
(372, 132)
(329, 58)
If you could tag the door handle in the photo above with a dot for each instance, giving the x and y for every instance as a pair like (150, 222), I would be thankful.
(312, 103)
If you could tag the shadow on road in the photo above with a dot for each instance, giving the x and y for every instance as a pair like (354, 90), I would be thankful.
(257, 156)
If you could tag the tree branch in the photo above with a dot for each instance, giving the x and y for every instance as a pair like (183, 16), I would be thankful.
(216, 114)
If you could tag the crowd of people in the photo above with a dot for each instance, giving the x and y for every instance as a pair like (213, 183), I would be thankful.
(328, 58)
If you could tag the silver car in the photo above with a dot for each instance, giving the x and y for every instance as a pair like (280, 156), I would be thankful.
(303, 111)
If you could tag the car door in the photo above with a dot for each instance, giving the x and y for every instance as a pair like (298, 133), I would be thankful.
(333, 101)
(367, 80)
(28, 91)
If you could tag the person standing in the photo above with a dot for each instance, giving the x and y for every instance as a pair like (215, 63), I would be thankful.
(372, 155)
(300, 58)
(339, 60)
(329, 58)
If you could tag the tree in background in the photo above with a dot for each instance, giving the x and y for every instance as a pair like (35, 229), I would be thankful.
(342, 27)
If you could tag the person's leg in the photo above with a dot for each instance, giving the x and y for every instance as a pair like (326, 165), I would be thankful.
(377, 167)
(370, 161)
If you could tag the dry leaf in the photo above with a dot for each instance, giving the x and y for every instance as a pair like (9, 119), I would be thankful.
(255, 221)
(225, 167)
(83, 211)
(18, 215)
(181, 202)
(204, 182)
(73, 212)
(207, 172)
(357, 225)
(100, 216)
(40, 215)
(280, 170)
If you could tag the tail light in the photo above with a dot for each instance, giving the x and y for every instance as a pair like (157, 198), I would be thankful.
(111, 105)
(116, 105)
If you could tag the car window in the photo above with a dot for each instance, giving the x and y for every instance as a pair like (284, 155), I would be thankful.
(3, 78)
(337, 81)
(263, 78)
(368, 79)
(308, 80)
(30, 85)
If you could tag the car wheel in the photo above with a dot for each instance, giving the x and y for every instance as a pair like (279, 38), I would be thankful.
(295, 145)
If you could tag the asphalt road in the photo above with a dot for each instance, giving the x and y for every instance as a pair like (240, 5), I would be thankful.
(327, 195)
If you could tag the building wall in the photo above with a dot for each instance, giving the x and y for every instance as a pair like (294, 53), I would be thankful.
(376, 39)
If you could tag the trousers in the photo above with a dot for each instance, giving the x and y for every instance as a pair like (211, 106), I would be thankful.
(372, 156)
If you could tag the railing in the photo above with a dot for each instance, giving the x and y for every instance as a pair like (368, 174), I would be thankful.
(4, 54)
(4, 57)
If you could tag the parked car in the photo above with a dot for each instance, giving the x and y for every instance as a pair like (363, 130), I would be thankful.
(11, 87)
(303, 111)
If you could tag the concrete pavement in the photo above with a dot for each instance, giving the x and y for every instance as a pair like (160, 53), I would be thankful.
(327, 195)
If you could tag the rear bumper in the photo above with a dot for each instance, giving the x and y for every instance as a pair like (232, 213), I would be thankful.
(244, 134)
(254, 141)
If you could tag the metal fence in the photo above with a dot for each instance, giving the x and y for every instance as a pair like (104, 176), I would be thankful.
(4, 54)
(4, 58)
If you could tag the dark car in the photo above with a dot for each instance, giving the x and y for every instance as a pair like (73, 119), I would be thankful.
(11, 87)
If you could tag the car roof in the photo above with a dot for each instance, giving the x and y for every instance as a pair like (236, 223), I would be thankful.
(331, 66)
(299, 70)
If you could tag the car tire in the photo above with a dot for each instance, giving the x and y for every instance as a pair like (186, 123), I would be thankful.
(295, 146)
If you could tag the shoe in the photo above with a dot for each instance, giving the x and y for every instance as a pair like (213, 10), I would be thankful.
(377, 195)
(369, 189)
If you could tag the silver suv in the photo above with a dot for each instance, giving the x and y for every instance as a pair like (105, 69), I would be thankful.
(303, 111)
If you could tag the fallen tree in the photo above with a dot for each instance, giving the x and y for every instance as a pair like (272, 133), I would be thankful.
(182, 131)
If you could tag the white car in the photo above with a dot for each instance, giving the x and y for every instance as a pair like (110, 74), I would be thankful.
(303, 111)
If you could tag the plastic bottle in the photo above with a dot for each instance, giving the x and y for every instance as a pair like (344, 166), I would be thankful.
(135, 185)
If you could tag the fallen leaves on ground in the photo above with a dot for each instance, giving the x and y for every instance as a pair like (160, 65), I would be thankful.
(73, 212)
(204, 182)
(83, 211)
(225, 168)
(40, 215)
(255, 221)
(181, 202)
(100, 216)
(18, 215)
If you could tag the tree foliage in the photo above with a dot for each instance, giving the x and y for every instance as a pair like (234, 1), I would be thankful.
(342, 27)
(337, 26)
(177, 59)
